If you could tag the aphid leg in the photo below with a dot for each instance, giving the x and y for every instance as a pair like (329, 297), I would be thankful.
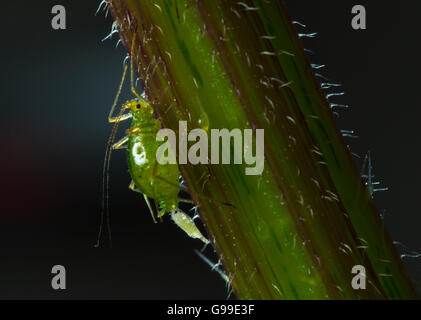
(157, 210)
(132, 187)
(150, 208)
(123, 117)
(120, 144)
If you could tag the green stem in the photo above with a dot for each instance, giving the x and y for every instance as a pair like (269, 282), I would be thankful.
(298, 229)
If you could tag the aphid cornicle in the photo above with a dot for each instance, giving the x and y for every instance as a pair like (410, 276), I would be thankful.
(159, 182)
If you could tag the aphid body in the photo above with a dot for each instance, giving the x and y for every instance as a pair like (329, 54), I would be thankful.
(149, 177)
(154, 180)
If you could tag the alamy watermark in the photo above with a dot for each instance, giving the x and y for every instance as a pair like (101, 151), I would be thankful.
(359, 280)
(58, 22)
(243, 148)
(359, 20)
(58, 282)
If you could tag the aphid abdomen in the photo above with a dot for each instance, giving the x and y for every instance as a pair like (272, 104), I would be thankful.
(140, 161)
(166, 183)
(156, 181)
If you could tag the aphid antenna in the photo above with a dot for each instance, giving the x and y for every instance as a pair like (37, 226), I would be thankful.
(107, 160)
(131, 69)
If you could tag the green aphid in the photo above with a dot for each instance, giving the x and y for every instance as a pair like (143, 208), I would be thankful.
(150, 178)
(159, 182)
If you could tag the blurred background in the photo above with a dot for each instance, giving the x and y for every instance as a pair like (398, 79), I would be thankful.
(56, 90)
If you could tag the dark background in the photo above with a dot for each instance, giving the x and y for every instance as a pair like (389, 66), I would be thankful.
(56, 91)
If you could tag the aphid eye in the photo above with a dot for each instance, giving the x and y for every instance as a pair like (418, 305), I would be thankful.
(138, 106)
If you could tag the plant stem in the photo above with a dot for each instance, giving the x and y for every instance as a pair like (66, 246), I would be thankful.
(298, 229)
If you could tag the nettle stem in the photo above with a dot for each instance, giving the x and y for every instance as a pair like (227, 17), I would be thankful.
(297, 230)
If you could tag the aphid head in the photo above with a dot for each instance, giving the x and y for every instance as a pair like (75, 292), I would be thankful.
(141, 109)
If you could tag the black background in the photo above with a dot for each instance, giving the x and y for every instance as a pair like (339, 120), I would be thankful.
(56, 90)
